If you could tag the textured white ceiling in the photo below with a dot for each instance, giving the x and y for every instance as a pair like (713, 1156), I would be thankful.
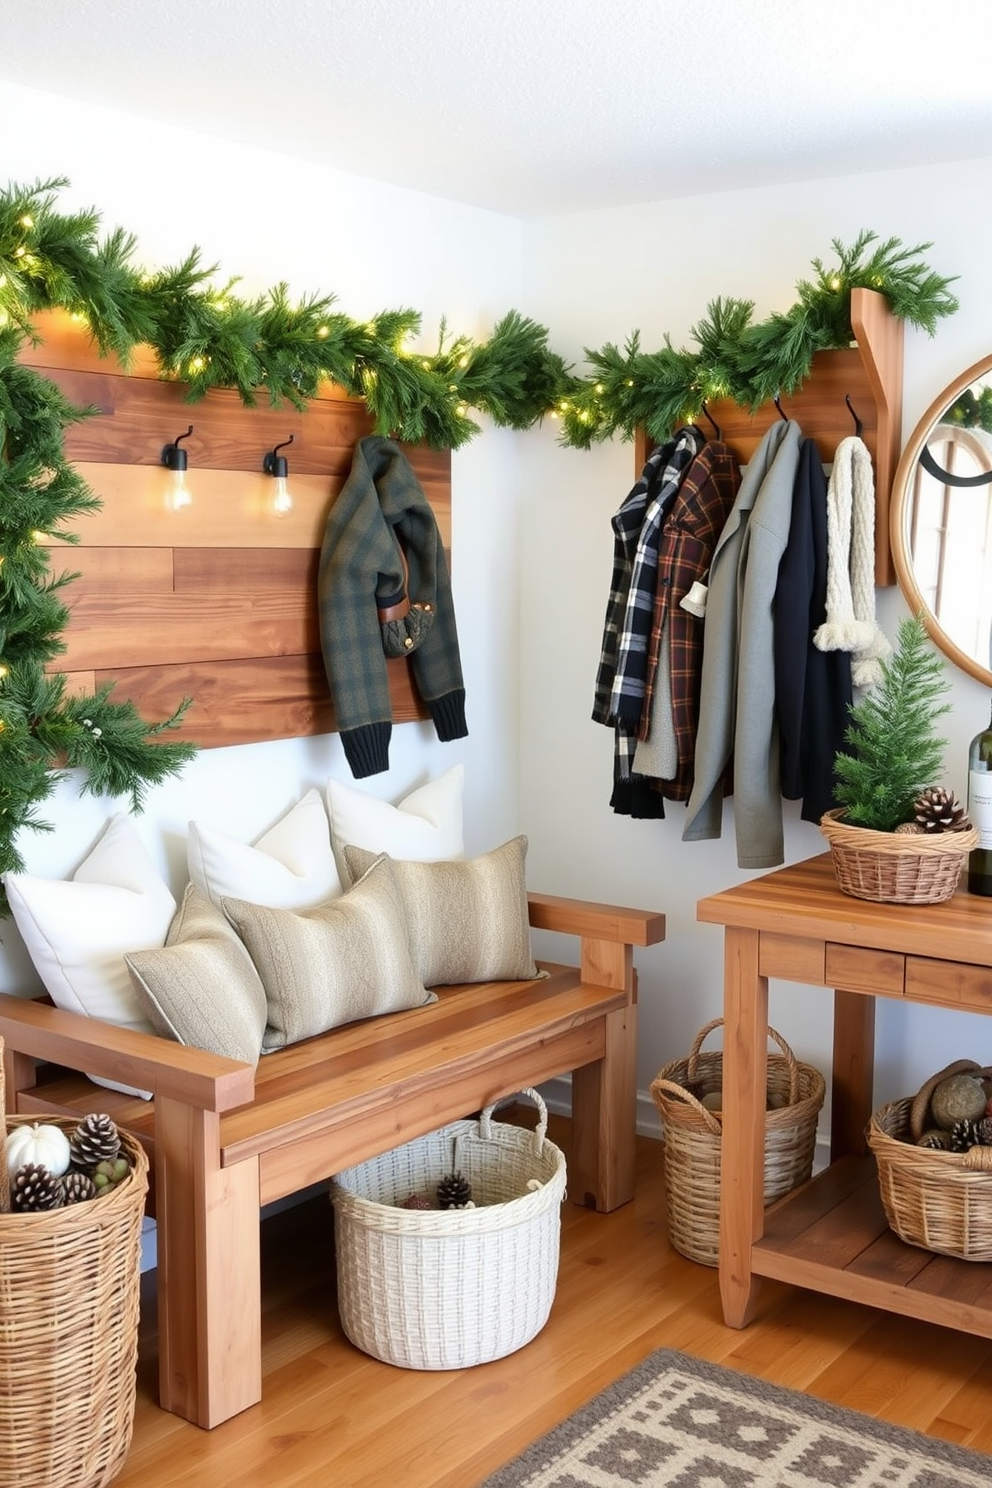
(536, 106)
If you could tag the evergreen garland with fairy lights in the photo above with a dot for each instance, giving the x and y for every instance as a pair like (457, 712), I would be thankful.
(746, 361)
(206, 336)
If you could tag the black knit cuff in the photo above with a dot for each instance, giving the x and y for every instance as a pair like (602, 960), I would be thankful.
(367, 748)
(448, 713)
(636, 797)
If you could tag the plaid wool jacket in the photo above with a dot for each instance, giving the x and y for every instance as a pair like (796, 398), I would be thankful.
(623, 663)
(382, 553)
(689, 536)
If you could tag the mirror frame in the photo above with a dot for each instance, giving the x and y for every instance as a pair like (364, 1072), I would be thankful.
(899, 521)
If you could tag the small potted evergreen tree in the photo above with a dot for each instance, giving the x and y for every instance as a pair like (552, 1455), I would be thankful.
(895, 836)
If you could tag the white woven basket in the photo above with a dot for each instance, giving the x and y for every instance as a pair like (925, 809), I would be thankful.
(447, 1288)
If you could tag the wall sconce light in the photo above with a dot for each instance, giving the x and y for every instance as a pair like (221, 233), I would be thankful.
(277, 466)
(176, 461)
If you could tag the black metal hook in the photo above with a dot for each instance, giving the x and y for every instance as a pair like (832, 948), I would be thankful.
(276, 464)
(777, 400)
(711, 420)
(858, 425)
(173, 457)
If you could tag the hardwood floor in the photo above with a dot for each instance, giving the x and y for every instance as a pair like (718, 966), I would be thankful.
(330, 1415)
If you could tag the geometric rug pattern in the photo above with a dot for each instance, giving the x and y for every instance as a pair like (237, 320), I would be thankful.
(679, 1422)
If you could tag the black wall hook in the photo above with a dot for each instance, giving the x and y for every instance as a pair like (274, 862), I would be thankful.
(858, 425)
(711, 420)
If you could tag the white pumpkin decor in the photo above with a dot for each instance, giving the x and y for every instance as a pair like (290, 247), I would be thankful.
(35, 1142)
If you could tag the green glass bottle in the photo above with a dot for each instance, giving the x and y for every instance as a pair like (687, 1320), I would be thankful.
(980, 812)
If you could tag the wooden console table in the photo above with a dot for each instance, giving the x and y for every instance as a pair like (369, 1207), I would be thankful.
(831, 1235)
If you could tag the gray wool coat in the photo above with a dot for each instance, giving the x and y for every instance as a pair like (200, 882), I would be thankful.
(737, 730)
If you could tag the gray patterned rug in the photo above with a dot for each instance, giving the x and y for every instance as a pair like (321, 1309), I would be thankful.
(677, 1422)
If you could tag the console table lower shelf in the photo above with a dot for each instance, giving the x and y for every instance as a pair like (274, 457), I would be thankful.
(832, 1236)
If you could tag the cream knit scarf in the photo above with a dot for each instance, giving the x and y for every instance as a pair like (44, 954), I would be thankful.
(850, 623)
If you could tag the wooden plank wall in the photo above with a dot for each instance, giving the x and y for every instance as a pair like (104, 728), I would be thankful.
(217, 601)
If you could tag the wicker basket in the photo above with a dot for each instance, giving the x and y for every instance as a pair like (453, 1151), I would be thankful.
(69, 1285)
(896, 867)
(446, 1288)
(692, 1139)
(939, 1201)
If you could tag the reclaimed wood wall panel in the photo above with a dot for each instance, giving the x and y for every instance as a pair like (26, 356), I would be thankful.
(218, 601)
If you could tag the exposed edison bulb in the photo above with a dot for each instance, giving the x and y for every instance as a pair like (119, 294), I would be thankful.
(282, 500)
(177, 493)
(276, 465)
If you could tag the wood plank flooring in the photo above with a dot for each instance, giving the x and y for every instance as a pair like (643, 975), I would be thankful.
(332, 1416)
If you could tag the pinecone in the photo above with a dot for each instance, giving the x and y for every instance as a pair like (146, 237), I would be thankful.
(983, 1132)
(935, 1138)
(34, 1188)
(453, 1192)
(77, 1188)
(95, 1140)
(938, 810)
(962, 1136)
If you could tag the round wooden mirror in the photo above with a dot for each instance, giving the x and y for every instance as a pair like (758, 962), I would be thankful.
(941, 521)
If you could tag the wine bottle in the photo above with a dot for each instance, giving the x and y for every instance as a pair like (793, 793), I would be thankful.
(980, 811)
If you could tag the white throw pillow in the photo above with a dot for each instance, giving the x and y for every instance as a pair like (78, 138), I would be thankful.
(424, 827)
(291, 866)
(77, 930)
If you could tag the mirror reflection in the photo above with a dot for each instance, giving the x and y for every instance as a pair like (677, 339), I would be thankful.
(942, 521)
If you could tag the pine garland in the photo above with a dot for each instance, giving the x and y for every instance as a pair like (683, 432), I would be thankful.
(745, 361)
(894, 753)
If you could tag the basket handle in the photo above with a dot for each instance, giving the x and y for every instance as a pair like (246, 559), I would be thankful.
(710, 1121)
(4, 1172)
(790, 1058)
(540, 1131)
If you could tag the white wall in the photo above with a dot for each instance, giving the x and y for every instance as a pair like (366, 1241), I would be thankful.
(594, 277)
(267, 218)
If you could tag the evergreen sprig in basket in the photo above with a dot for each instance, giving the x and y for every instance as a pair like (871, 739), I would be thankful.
(896, 867)
(448, 1288)
(693, 1138)
(895, 838)
(69, 1295)
(939, 1201)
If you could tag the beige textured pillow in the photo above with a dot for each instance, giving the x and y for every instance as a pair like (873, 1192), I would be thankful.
(201, 988)
(334, 963)
(467, 922)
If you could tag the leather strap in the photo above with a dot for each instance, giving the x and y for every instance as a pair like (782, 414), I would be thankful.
(397, 611)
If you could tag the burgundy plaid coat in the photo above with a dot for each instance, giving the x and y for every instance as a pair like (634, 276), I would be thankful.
(689, 536)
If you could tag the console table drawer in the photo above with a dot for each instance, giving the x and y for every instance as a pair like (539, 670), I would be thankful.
(949, 983)
(861, 969)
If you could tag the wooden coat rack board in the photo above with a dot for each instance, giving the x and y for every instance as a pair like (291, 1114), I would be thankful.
(869, 373)
(217, 601)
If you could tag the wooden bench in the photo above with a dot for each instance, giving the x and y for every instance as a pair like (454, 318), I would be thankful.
(225, 1139)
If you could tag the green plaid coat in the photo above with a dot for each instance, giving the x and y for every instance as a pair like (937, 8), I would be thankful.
(381, 546)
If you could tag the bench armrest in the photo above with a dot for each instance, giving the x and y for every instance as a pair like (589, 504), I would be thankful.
(190, 1076)
(592, 921)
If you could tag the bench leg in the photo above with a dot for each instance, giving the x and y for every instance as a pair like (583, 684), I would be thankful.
(209, 1300)
(604, 1094)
